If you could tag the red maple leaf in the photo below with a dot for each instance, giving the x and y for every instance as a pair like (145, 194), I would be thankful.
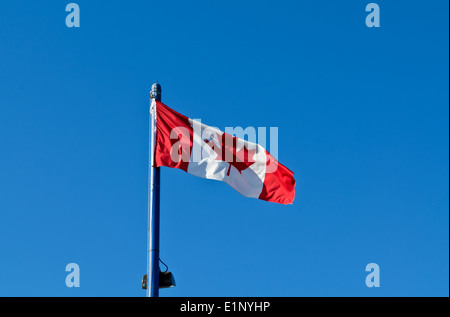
(227, 152)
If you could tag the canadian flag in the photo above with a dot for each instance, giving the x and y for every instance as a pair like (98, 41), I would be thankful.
(207, 152)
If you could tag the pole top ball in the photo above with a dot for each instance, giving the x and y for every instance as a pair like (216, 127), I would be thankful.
(155, 93)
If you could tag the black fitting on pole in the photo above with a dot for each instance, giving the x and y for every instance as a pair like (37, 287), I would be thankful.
(155, 93)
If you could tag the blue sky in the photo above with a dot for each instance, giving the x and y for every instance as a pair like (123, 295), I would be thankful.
(363, 123)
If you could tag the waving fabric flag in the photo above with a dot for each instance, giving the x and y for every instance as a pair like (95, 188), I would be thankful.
(207, 152)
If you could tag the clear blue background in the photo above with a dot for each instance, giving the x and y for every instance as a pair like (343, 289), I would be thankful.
(363, 123)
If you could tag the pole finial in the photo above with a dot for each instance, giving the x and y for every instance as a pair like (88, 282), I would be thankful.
(155, 93)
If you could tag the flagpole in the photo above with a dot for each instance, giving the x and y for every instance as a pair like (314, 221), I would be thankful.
(153, 201)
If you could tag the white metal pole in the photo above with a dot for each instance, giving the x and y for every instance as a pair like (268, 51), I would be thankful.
(153, 202)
